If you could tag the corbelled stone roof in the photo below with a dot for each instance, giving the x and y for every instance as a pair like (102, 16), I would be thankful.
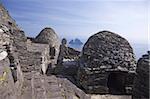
(104, 52)
(48, 36)
(108, 49)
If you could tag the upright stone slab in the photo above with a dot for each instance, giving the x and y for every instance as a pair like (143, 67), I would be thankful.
(105, 63)
(141, 83)
(63, 51)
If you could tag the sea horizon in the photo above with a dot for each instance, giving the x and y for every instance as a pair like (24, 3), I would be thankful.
(139, 49)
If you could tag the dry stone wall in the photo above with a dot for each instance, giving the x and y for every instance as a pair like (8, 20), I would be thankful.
(48, 36)
(107, 64)
(141, 83)
(7, 86)
(5, 18)
(12, 87)
(105, 55)
(44, 56)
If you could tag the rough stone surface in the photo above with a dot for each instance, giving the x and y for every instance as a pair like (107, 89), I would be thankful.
(44, 57)
(104, 54)
(7, 86)
(28, 56)
(6, 19)
(19, 42)
(50, 87)
(66, 52)
(63, 52)
(48, 36)
(7, 37)
(72, 53)
(141, 83)
(15, 69)
(110, 97)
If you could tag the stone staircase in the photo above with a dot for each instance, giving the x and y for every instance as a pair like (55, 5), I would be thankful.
(40, 86)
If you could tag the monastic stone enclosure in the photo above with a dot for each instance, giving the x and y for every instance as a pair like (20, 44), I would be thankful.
(141, 83)
(107, 60)
(106, 66)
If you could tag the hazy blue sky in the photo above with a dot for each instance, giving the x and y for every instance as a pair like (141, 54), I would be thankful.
(82, 18)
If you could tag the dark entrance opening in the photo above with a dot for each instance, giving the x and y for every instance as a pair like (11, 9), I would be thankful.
(116, 83)
(52, 52)
(10, 23)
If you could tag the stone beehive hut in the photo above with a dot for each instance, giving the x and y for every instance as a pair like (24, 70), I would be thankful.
(20, 71)
(106, 61)
(141, 83)
(48, 36)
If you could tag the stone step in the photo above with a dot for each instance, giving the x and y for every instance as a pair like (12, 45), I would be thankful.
(55, 94)
(58, 98)
(110, 97)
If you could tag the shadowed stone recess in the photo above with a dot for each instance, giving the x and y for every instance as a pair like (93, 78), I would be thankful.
(141, 83)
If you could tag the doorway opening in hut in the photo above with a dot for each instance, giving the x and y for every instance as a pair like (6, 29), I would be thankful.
(52, 52)
(116, 83)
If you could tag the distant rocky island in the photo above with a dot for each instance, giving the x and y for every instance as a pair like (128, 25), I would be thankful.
(43, 67)
(76, 44)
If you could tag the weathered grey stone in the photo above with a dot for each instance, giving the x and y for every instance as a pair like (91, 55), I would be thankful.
(7, 86)
(7, 37)
(63, 51)
(105, 56)
(31, 54)
(67, 53)
(141, 83)
(6, 19)
(48, 36)
(44, 57)
(72, 53)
